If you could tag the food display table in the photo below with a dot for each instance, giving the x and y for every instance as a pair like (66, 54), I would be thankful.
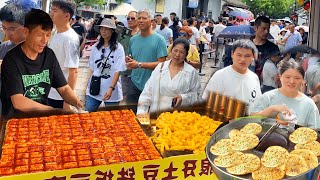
(103, 145)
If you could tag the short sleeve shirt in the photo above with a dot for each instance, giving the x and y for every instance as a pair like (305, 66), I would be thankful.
(31, 78)
(304, 107)
(66, 47)
(268, 73)
(116, 63)
(244, 87)
(293, 40)
(146, 49)
(166, 33)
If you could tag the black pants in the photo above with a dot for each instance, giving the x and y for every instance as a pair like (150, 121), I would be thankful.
(201, 47)
(55, 103)
(133, 95)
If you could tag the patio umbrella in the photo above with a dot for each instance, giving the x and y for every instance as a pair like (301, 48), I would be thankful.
(239, 32)
(302, 49)
(240, 14)
(123, 9)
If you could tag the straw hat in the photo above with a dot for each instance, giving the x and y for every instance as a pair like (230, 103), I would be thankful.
(106, 22)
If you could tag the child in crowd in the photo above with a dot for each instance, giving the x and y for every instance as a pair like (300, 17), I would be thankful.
(270, 73)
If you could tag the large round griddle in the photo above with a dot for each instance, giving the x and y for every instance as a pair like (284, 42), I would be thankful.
(279, 137)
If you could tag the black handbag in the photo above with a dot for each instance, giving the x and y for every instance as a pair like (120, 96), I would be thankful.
(95, 85)
(96, 81)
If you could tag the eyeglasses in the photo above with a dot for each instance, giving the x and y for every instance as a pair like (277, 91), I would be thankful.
(131, 18)
(183, 34)
(10, 29)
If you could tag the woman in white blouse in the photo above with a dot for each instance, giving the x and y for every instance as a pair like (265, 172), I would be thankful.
(172, 84)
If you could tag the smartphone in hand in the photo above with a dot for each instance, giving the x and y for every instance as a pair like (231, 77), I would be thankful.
(174, 102)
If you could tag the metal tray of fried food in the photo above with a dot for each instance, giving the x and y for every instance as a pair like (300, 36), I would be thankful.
(280, 137)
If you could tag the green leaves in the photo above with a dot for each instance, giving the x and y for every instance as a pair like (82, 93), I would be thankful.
(273, 9)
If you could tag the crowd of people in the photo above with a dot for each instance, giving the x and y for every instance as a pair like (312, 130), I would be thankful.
(151, 62)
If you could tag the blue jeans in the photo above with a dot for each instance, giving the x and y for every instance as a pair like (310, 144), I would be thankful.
(92, 104)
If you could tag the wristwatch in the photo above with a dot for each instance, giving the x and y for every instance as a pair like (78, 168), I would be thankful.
(112, 88)
(139, 65)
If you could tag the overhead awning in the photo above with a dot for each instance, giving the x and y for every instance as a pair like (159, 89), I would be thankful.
(240, 13)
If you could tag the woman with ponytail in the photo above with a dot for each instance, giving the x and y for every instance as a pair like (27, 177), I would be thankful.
(165, 31)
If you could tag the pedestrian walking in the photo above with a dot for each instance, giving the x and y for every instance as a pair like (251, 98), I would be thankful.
(107, 60)
(193, 57)
(165, 31)
(264, 46)
(146, 50)
(292, 38)
(173, 83)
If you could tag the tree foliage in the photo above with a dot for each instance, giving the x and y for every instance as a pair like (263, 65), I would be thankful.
(271, 8)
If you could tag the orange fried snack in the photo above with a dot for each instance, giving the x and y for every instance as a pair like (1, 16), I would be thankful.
(73, 141)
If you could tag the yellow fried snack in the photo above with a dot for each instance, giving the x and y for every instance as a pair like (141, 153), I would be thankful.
(183, 131)
(233, 133)
(295, 165)
(303, 135)
(274, 156)
(222, 147)
(268, 173)
(251, 163)
(310, 158)
(243, 142)
(252, 128)
(313, 146)
(229, 160)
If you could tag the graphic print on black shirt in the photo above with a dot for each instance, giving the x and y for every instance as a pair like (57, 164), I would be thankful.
(32, 84)
(30, 78)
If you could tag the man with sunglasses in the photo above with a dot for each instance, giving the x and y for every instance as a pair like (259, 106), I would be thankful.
(12, 18)
(146, 50)
(124, 41)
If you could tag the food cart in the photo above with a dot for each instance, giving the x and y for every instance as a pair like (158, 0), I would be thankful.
(122, 132)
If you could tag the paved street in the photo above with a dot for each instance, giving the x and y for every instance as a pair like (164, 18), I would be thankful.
(84, 74)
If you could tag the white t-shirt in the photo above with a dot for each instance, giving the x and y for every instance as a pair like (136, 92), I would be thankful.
(208, 37)
(117, 64)
(227, 81)
(268, 73)
(194, 35)
(65, 46)
(274, 31)
(166, 33)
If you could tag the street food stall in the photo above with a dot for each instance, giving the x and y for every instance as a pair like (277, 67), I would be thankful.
(191, 144)
(101, 145)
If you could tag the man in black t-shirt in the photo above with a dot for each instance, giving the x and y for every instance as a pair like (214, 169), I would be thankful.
(262, 28)
(78, 27)
(31, 68)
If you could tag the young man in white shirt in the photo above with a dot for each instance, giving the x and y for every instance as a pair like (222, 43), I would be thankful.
(237, 80)
(274, 30)
(65, 44)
